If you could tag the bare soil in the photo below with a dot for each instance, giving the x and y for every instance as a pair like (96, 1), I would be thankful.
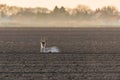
(86, 54)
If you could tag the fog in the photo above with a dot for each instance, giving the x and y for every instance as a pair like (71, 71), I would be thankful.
(80, 16)
(50, 22)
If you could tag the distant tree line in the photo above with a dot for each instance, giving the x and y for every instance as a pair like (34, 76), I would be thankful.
(81, 12)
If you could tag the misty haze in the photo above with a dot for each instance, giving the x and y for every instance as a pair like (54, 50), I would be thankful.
(80, 16)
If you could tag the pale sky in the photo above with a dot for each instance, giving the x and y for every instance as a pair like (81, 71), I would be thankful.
(50, 4)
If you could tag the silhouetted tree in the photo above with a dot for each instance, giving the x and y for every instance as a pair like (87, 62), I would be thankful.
(106, 13)
(82, 12)
(109, 11)
(62, 10)
(56, 10)
(59, 11)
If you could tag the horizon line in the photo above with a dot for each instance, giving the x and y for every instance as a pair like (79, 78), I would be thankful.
(57, 6)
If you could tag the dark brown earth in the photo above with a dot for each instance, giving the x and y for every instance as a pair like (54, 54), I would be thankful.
(86, 54)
